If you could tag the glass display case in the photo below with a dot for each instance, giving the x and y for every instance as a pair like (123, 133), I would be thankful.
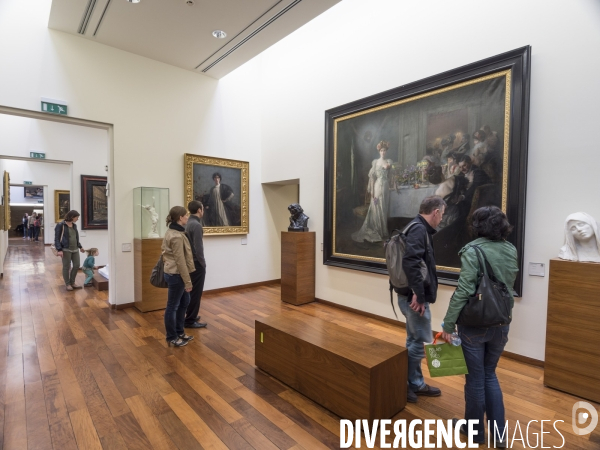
(150, 209)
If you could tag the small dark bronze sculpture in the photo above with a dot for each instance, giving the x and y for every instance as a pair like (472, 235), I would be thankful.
(298, 220)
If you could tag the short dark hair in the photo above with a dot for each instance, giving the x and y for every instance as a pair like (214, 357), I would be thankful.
(490, 222)
(465, 158)
(431, 203)
(217, 174)
(71, 215)
(194, 206)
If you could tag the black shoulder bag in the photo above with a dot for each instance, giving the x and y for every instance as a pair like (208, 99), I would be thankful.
(491, 304)
(157, 277)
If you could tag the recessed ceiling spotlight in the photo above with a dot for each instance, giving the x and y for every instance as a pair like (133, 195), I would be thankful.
(133, 1)
(219, 34)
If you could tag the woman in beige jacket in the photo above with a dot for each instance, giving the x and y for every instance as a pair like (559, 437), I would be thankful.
(178, 263)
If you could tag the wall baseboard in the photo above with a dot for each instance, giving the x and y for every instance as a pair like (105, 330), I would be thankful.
(122, 306)
(523, 359)
(243, 286)
(214, 291)
(362, 313)
(510, 355)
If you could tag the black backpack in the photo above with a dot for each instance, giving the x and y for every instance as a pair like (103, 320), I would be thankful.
(395, 248)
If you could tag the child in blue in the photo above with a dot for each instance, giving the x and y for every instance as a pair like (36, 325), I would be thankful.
(88, 266)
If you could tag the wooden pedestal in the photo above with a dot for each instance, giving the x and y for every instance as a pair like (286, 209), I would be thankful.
(298, 267)
(572, 353)
(353, 375)
(145, 254)
(99, 282)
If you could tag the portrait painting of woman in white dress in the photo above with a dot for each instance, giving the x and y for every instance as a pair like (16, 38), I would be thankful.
(374, 228)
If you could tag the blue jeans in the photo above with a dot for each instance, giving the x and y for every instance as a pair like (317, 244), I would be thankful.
(482, 348)
(177, 304)
(418, 332)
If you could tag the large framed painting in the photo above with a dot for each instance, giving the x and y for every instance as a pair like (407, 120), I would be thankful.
(62, 204)
(94, 203)
(222, 186)
(461, 135)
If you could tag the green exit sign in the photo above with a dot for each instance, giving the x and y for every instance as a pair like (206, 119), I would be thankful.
(37, 155)
(54, 106)
(27, 183)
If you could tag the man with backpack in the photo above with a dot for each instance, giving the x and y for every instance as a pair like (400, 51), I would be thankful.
(418, 264)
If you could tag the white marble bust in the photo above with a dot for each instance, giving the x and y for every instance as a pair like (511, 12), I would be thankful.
(582, 242)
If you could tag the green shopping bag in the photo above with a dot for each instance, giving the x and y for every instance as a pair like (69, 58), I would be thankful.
(445, 359)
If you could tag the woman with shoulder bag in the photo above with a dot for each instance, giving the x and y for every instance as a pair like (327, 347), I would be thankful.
(66, 243)
(178, 262)
(483, 345)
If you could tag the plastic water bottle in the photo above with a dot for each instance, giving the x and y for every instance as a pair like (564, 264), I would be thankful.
(454, 338)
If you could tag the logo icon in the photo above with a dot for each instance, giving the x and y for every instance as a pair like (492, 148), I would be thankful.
(436, 363)
(579, 418)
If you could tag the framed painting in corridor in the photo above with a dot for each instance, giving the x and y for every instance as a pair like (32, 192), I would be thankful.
(62, 204)
(94, 203)
(461, 135)
(222, 187)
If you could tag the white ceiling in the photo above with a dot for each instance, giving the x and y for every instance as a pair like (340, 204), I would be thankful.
(176, 33)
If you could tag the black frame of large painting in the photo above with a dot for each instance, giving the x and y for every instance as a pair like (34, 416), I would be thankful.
(87, 183)
(516, 64)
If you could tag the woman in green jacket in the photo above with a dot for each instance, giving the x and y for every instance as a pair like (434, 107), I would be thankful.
(482, 347)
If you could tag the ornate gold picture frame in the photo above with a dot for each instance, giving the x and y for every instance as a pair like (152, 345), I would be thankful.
(222, 185)
(461, 135)
(6, 202)
(62, 204)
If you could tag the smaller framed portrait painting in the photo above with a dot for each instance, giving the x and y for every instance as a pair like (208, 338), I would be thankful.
(222, 187)
(62, 204)
(94, 203)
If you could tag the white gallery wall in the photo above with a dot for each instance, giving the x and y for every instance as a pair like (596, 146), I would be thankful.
(81, 151)
(360, 48)
(270, 112)
(159, 112)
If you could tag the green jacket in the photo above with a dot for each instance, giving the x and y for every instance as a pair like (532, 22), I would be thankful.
(502, 257)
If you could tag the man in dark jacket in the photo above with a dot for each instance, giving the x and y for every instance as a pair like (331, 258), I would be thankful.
(422, 290)
(195, 232)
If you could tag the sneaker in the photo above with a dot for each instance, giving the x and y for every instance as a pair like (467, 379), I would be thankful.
(178, 343)
(429, 391)
(76, 286)
(411, 397)
(196, 325)
(69, 287)
(88, 285)
(186, 337)
(464, 432)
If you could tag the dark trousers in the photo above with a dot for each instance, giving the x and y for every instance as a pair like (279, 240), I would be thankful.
(177, 303)
(193, 309)
(482, 348)
(69, 273)
(36, 233)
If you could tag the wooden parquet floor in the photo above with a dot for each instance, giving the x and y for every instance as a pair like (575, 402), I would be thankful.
(76, 374)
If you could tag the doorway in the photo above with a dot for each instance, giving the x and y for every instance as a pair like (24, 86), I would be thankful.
(77, 166)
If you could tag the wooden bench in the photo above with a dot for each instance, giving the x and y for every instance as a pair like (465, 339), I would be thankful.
(351, 374)
(100, 282)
